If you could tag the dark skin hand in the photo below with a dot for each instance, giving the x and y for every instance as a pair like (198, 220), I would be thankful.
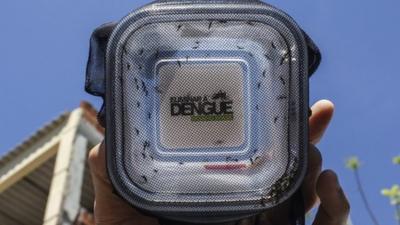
(318, 186)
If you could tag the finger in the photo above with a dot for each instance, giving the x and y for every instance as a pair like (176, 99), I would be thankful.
(109, 208)
(322, 112)
(334, 208)
(97, 163)
(275, 215)
(107, 203)
(310, 180)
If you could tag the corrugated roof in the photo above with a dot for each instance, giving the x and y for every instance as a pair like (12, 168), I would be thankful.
(89, 113)
(25, 201)
(13, 153)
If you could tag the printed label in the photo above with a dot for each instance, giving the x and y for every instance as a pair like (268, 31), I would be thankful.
(201, 104)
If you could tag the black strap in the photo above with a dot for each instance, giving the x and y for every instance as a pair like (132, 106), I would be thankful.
(95, 69)
(314, 55)
(95, 83)
(297, 211)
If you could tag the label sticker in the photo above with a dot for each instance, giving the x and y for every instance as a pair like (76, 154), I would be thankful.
(201, 104)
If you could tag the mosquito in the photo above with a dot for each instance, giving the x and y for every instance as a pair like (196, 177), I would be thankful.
(197, 45)
(251, 23)
(210, 25)
(268, 57)
(219, 142)
(146, 144)
(273, 45)
(230, 159)
(144, 178)
(143, 86)
(179, 27)
(141, 51)
(282, 80)
(282, 97)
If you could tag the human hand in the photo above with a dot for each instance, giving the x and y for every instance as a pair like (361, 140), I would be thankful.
(317, 186)
(334, 207)
(109, 209)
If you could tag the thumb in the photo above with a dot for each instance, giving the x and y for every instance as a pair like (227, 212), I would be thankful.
(322, 113)
(334, 208)
(110, 209)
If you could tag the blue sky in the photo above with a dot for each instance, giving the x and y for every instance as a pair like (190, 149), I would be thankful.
(44, 47)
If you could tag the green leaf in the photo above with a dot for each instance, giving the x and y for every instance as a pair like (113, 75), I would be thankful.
(396, 160)
(393, 194)
(353, 163)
